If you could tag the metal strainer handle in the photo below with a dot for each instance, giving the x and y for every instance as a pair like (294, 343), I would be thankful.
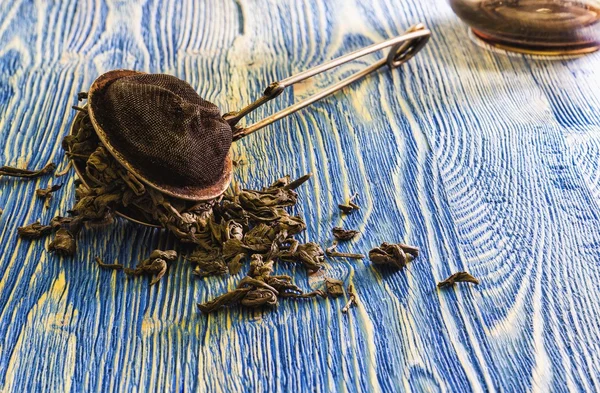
(404, 47)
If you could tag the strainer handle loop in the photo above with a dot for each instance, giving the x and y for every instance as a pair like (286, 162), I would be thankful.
(404, 47)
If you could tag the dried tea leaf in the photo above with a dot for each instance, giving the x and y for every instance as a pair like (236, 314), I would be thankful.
(61, 222)
(292, 225)
(335, 288)
(80, 109)
(285, 288)
(17, 172)
(235, 264)
(63, 243)
(298, 182)
(260, 237)
(94, 207)
(275, 197)
(65, 170)
(310, 254)
(234, 247)
(351, 299)
(412, 250)
(280, 183)
(225, 230)
(397, 255)
(167, 255)
(46, 193)
(330, 252)
(208, 262)
(458, 277)
(234, 230)
(259, 269)
(224, 300)
(344, 234)
(307, 295)
(113, 266)
(34, 231)
(216, 267)
(259, 297)
(349, 206)
(156, 264)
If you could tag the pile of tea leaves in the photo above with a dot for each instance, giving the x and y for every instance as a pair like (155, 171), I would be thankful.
(240, 226)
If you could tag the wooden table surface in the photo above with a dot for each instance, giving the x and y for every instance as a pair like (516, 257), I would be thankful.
(488, 162)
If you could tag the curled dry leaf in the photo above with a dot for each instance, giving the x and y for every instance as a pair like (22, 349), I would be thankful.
(34, 231)
(155, 264)
(113, 266)
(397, 255)
(344, 234)
(458, 277)
(18, 172)
(46, 193)
(351, 299)
(310, 254)
(63, 243)
(335, 288)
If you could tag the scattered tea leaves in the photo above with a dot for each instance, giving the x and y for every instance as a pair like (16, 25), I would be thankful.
(259, 288)
(156, 264)
(344, 234)
(225, 231)
(397, 255)
(18, 172)
(458, 277)
(46, 193)
(34, 231)
(335, 288)
(113, 266)
(351, 299)
(238, 225)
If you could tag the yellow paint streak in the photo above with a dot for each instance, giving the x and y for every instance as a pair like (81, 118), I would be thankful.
(358, 104)
(460, 349)
(368, 330)
(48, 322)
(322, 170)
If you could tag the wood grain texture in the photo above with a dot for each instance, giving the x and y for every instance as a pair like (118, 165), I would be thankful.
(488, 162)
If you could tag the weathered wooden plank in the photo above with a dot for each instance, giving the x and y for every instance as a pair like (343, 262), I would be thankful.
(488, 162)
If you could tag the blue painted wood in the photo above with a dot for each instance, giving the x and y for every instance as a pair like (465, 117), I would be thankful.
(486, 161)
